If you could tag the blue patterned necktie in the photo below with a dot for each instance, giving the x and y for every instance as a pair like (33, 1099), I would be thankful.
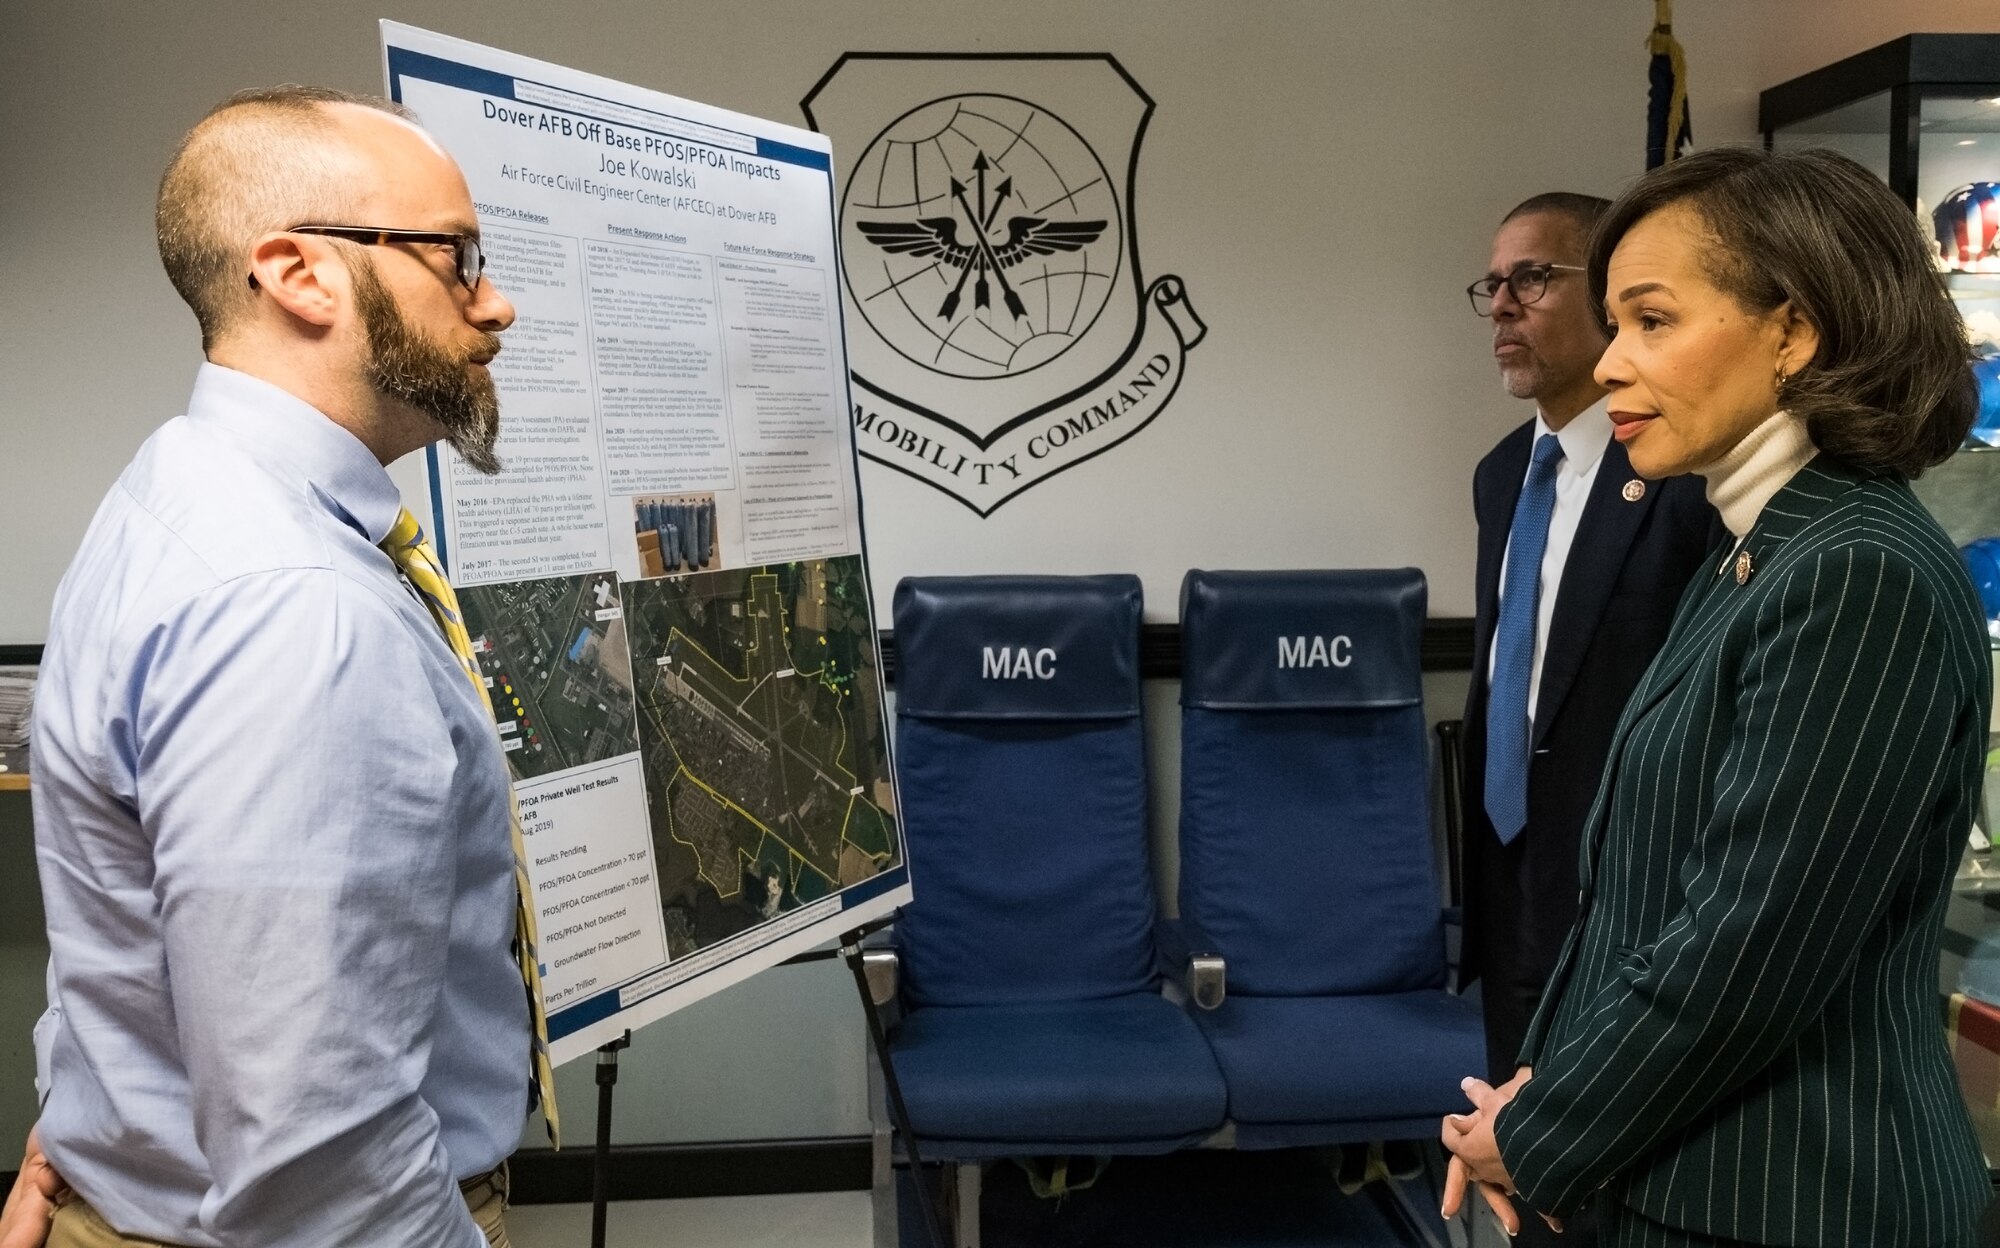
(1507, 725)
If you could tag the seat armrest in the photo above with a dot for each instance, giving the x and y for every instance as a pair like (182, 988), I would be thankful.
(883, 969)
(1207, 980)
(1199, 972)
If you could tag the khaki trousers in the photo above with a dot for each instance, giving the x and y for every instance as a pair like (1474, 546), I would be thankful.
(80, 1226)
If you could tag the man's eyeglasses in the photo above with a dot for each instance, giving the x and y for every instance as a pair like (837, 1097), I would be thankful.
(1528, 284)
(470, 260)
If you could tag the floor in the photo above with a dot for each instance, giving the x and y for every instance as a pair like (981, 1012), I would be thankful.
(1198, 1199)
(1228, 1204)
(826, 1220)
(1188, 1200)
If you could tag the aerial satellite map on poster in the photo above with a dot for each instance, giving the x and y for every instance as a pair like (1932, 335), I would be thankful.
(762, 736)
(553, 653)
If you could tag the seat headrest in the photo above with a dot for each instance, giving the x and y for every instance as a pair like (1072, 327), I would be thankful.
(1017, 647)
(1317, 639)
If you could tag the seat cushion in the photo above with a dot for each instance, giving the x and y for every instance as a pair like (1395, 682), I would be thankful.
(1345, 1059)
(1031, 837)
(1122, 1069)
(1306, 849)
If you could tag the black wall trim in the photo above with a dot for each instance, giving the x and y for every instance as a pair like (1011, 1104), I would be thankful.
(675, 1171)
(1447, 647)
(1448, 643)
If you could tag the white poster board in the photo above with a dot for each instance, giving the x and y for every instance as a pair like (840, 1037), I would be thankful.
(665, 584)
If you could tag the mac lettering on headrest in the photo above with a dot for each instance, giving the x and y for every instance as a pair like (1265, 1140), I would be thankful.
(1337, 651)
(1017, 663)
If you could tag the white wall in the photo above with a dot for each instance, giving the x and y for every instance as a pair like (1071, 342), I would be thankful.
(1324, 173)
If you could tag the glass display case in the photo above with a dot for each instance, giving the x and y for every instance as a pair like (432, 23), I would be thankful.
(1923, 112)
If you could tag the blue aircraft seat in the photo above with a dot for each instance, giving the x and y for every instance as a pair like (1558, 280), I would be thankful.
(1032, 1016)
(1307, 862)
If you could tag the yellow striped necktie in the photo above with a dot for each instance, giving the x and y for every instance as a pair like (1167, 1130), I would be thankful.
(414, 556)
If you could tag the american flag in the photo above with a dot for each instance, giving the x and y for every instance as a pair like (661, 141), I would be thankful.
(1668, 131)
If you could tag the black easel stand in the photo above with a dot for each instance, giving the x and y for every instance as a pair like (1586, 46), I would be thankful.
(850, 949)
(600, 1176)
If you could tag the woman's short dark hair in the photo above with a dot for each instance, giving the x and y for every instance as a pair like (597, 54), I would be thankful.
(1891, 385)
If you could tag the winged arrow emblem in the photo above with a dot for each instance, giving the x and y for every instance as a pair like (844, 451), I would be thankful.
(937, 238)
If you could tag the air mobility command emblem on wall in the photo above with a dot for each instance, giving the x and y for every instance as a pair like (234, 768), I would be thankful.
(999, 327)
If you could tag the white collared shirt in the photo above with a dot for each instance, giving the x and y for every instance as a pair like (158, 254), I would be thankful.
(1583, 441)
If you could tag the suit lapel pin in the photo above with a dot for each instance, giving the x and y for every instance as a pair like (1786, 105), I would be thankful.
(1635, 489)
(1745, 565)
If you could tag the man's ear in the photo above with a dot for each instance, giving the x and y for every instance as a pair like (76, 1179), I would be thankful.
(302, 276)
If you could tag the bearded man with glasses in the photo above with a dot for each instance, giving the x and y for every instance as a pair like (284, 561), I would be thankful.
(1581, 563)
(273, 821)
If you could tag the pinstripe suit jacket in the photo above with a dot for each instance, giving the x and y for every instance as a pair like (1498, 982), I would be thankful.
(1742, 1036)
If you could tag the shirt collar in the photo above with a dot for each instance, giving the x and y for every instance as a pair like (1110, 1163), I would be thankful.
(296, 440)
(1584, 437)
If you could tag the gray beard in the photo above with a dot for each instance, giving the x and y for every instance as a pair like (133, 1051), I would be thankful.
(411, 368)
(1522, 383)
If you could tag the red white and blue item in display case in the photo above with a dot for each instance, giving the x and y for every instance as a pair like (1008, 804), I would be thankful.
(1986, 426)
(1982, 559)
(1967, 224)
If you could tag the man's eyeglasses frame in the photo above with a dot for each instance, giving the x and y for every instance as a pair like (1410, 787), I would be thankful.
(1527, 284)
(467, 256)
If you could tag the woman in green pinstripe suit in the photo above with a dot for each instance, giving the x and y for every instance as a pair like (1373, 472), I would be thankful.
(1741, 1042)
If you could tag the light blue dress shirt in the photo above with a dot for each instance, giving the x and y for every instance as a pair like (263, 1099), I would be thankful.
(271, 826)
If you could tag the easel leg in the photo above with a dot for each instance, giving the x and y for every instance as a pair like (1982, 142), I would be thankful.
(884, 1214)
(850, 949)
(600, 1176)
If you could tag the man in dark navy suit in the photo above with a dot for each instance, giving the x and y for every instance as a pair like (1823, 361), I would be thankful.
(1581, 563)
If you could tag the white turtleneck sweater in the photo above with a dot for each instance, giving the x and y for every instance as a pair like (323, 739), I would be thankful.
(1754, 470)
